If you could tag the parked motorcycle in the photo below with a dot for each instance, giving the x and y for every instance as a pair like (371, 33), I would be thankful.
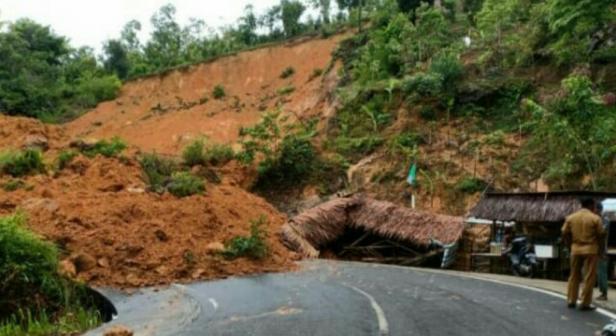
(522, 256)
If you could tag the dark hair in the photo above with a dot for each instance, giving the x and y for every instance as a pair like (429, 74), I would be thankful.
(599, 207)
(588, 203)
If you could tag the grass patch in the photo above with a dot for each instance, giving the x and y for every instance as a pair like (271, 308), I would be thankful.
(285, 90)
(36, 299)
(199, 153)
(111, 148)
(316, 73)
(219, 92)
(253, 246)
(183, 184)
(157, 171)
(64, 159)
(13, 185)
(288, 72)
(471, 185)
(21, 163)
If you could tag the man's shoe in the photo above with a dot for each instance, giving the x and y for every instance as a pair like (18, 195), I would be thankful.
(601, 297)
(588, 308)
(571, 305)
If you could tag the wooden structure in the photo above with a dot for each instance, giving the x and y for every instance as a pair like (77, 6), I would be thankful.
(537, 215)
(365, 229)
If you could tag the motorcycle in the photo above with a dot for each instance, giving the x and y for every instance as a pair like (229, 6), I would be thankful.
(522, 257)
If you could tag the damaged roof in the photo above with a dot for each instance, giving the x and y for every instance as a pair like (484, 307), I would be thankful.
(319, 226)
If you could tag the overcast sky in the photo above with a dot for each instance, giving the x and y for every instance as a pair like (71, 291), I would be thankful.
(90, 22)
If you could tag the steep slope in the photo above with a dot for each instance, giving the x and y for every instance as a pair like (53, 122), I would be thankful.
(166, 111)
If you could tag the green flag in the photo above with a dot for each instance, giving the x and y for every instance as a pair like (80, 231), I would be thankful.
(412, 178)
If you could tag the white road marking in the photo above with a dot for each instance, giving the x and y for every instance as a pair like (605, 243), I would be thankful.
(539, 290)
(214, 303)
(380, 315)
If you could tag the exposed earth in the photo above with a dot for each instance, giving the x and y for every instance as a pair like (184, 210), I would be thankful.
(334, 298)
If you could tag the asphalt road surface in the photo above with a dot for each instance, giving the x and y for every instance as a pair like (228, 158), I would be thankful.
(337, 298)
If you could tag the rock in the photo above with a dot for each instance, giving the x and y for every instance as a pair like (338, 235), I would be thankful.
(84, 144)
(133, 280)
(103, 262)
(133, 190)
(45, 204)
(83, 262)
(215, 248)
(46, 194)
(113, 187)
(198, 273)
(118, 330)
(161, 235)
(162, 270)
(35, 141)
(67, 268)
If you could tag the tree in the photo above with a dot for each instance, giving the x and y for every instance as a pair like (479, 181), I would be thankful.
(164, 49)
(291, 12)
(116, 58)
(324, 7)
(248, 25)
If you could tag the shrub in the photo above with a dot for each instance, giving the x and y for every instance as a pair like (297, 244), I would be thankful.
(105, 148)
(64, 158)
(355, 147)
(218, 154)
(194, 154)
(424, 84)
(448, 66)
(496, 138)
(20, 163)
(428, 113)
(13, 185)
(285, 90)
(294, 161)
(219, 92)
(157, 170)
(183, 184)
(31, 284)
(288, 72)
(253, 246)
(316, 73)
(471, 185)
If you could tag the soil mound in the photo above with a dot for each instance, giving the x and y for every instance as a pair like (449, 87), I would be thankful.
(116, 234)
(167, 111)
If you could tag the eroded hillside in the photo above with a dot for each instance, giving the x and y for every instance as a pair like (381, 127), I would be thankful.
(164, 112)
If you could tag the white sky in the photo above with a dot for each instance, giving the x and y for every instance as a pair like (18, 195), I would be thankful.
(90, 22)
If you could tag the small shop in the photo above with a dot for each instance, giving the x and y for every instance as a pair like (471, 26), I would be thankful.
(499, 218)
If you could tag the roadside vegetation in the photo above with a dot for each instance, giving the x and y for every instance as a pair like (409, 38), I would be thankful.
(253, 246)
(36, 299)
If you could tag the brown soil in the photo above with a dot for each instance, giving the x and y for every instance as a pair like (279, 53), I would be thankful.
(165, 112)
(97, 209)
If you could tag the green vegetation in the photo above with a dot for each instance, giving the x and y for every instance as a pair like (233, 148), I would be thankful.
(219, 92)
(105, 148)
(21, 163)
(64, 159)
(253, 246)
(471, 185)
(35, 299)
(198, 153)
(183, 184)
(288, 72)
(157, 171)
(13, 185)
(41, 76)
(283, 91)
(287, 155)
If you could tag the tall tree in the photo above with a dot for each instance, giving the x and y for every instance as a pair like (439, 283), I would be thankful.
(291, 12)
(164, 49)
(324, 6)
(248, 25)
(115, 58)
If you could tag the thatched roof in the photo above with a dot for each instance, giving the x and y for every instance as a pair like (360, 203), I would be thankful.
(319, 226)
(533, 207)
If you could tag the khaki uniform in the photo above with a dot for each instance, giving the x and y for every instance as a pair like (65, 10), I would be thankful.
(585, 232)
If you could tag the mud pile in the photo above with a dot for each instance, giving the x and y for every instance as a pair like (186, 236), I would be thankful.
(114, 233)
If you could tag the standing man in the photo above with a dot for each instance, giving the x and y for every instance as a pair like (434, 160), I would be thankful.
(602, 277)
(584, 232)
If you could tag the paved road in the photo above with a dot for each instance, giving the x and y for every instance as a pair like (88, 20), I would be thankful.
(333, 298)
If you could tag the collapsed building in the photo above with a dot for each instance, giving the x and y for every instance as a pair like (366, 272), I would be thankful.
(363, 229)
